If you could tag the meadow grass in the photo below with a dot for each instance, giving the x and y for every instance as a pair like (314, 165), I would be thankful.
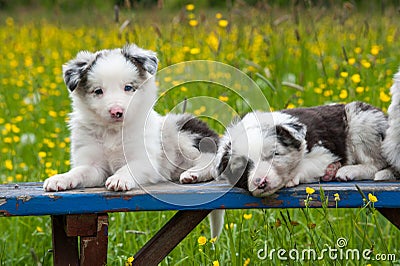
(297, 56)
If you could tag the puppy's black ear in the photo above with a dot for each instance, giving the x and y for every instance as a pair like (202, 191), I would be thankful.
(74, 71)
(291, 134)
(143, 59)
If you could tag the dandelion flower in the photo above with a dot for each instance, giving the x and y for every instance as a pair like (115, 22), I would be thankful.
(247, 216)
(202, 240)
(246, 262)
(360, 89)
(9, 165)
(356, 78)
(193, 23)
(384, 97)
(343, 94)
(215, 263)
(218, 15)
(357, 50)
(195, 51)
(352, 61)
(375, 50)
(223, 23)
(344, 74)
(39, 229)
(310, 191)
(190, 7)
(365, 63)
(372, 198)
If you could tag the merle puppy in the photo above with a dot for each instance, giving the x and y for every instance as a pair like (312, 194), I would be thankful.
(264, 152)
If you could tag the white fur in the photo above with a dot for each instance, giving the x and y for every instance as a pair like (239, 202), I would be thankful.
(135, 147)
(391, 144)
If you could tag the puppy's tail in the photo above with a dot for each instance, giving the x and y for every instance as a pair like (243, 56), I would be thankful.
(216, 222)
(391, 143)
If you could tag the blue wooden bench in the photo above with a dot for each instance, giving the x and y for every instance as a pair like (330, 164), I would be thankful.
(79, 217)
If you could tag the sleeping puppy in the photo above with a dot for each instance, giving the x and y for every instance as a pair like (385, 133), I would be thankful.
(267, 151)
(117, 139)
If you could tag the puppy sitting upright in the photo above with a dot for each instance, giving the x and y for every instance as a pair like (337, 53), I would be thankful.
(267, 151)
(117, 139)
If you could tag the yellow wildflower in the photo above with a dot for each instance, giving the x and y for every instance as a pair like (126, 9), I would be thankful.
(337, 197)
(215, 263)
(193, 23)
(365, 63)
(310, 191)
(223, 98)
(218, 15)
(375, 50)
(212, 240)
(223, 23)
(247, 216)
(352, 61)
(360, 89)
(190, 7)
(356, 78)
(246, 262)
(195, 50)
(344, 74)
(343, 94)
(39, 229)
(202, 240)
(9, 165)
(372, 198)
(129, 261)
(384, 97)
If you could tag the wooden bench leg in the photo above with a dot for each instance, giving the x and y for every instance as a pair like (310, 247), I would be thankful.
(169, 236)
(65, 248)
(392, 214)
(93, 232)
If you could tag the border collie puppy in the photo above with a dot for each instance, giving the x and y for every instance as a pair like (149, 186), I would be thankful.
(391, 144)
(117, 139)
(264, 152)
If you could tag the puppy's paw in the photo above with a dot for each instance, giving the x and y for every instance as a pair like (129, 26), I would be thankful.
(348, 173)
(189, 177)
(384, 175)
(120, 183)
(61, 182)
(292, 183)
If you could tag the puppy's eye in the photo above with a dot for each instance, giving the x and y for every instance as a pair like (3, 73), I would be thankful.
(276, 153)
(98, 91)
(129, 88)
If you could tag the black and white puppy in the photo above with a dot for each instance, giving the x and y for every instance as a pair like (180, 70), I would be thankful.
(117, 139)
(264, 152)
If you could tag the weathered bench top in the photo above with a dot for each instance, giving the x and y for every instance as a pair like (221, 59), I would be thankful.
(30, 199)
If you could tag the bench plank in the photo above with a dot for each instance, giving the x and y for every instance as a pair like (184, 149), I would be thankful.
(30, 199)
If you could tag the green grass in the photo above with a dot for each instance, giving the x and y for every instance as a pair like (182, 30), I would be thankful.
(297, 58)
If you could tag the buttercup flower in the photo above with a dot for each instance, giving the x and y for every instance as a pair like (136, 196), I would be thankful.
(309, 190)
(372, 198)
(202, 240)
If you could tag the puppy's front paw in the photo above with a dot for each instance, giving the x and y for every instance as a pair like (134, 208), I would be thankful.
(384, 175)
(347, 173)
(292, 183)
(120, 183)
(188, 177)
(61, 182)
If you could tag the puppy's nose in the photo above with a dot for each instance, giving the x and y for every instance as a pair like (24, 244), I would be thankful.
(261, 183)
(116, 112)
